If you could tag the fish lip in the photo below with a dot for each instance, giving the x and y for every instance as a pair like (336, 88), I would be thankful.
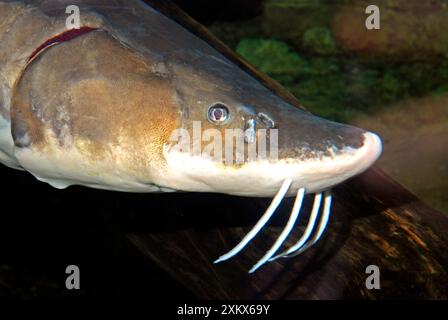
(351, 162)
(373, 148)
(335, 170)
(315, 175)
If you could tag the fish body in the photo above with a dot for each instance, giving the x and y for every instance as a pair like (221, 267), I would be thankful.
(98, 106)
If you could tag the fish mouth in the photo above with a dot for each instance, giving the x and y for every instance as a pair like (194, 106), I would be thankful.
(324, 173)
(317, 173)
(263, 178)
(367, 155)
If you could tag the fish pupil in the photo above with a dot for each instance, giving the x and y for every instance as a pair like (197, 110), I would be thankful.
(218, 113)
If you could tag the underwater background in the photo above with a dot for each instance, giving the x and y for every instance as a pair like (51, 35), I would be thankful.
(393, 81)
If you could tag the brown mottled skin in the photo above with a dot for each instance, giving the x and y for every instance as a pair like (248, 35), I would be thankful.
(101, 108)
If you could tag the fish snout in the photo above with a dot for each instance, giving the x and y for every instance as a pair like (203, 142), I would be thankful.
(321, 154)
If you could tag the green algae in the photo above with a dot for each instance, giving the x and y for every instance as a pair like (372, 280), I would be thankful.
(319, 40)
(338, 87)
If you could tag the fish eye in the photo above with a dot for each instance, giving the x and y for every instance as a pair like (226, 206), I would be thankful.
(218, 113)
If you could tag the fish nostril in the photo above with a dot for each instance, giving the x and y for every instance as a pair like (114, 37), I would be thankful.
(266, 120)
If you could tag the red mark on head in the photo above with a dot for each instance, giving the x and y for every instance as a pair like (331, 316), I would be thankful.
(65, 36)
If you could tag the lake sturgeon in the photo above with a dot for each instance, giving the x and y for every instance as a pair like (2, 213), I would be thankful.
(97, 106)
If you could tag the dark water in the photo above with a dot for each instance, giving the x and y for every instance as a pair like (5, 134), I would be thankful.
(43, 230)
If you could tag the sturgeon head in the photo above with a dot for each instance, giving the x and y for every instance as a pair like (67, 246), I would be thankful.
(102, 107)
